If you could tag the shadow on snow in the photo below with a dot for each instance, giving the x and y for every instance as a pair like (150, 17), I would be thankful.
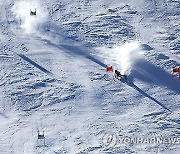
(76, 51)
(149, 73)
(34, 64)
(131, 84)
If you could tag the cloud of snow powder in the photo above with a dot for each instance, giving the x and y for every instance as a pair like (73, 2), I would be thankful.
(126, 55)
(30, 24)
(122, 57)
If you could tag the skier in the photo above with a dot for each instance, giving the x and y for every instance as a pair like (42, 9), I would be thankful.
(32, 13)
(117, 75)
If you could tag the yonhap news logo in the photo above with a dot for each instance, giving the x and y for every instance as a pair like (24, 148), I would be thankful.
(110, 140)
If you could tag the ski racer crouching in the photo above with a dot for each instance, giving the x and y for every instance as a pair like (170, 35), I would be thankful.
(118, 75)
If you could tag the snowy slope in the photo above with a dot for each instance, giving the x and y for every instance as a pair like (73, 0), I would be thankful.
(53, 77)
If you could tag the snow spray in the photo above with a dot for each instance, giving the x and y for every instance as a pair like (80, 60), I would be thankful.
(29, 23)
(122, 57)
(126, 55)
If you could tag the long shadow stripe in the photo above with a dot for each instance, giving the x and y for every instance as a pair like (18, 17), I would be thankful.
(34, 64)
(131, 84)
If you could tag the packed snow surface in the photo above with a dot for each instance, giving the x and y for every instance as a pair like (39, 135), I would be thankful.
(55, 94)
